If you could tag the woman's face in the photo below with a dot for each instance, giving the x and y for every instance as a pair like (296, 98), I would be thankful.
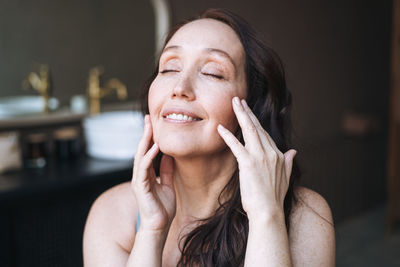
(200, 70)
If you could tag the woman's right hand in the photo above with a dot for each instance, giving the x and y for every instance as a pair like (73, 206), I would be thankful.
(155, 199)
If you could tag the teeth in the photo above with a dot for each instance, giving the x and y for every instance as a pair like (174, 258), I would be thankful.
(180, 117)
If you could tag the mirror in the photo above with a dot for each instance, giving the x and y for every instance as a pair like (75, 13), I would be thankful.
(71, 37)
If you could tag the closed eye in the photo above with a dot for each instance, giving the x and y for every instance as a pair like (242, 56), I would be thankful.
(219, 77)
(166, 71)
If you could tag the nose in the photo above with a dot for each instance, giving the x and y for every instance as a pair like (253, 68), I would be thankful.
(184, 88)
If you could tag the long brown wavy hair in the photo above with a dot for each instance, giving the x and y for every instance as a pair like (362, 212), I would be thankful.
(221, 239)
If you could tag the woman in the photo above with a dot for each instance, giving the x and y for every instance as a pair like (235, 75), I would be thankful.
(212, 178)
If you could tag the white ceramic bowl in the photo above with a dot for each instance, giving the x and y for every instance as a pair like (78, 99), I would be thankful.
(113, 135)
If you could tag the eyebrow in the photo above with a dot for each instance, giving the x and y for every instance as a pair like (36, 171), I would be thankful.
(210, 50)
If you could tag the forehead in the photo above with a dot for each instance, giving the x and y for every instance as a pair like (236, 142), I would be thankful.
(209, 33)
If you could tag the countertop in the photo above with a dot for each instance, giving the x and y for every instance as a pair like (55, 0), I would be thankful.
(59, 175)
(62, 116)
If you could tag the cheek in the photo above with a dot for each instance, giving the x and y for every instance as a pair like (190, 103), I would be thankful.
(152, 97)
(155, 98)
(221, 111)
(228, 119)
(222, 106)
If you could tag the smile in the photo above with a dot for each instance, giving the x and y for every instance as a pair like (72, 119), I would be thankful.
(181, 117)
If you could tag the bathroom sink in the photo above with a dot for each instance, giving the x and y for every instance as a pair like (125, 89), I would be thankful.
(113, 135)
(17, 106)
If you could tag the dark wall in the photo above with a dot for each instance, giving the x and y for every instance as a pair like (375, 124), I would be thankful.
(336, 55)
(72, 37)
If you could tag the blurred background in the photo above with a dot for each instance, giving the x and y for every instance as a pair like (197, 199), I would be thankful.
(63, 62)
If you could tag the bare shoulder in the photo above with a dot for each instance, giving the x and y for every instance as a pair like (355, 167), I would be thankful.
(311, 233)
(111, 221)
(311, 202)
(118, 198)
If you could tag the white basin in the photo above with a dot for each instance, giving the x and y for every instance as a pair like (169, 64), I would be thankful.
(113, 135)
(24, 105)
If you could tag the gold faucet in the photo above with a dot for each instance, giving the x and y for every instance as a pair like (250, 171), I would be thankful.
(40, 83)
(96, 92)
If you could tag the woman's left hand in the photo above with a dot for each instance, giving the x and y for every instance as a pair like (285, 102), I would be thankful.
(264, 171)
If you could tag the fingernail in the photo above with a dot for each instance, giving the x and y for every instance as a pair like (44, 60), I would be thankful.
(220, 127)
(236, 100)
(146, 118)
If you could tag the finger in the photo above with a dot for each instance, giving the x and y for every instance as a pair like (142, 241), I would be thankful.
(253, 117)
(167, 170)
(142, 146)
(146, 163)
(151, 174)
(264, 136)
(289, 156)
(146, 137)
(249, 131)
(238, 150)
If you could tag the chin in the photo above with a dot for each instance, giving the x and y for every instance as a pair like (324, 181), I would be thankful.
(182, 149)
(177, 149)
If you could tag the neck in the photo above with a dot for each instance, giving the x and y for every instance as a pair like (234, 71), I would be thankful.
(199, 182)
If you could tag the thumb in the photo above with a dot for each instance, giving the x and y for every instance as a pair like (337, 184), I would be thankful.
(167, 170)
(289, 156)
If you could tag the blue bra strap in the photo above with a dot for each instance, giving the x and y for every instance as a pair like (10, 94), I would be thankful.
(138, 222)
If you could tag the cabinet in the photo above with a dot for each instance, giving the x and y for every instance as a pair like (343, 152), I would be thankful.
(43, 211)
